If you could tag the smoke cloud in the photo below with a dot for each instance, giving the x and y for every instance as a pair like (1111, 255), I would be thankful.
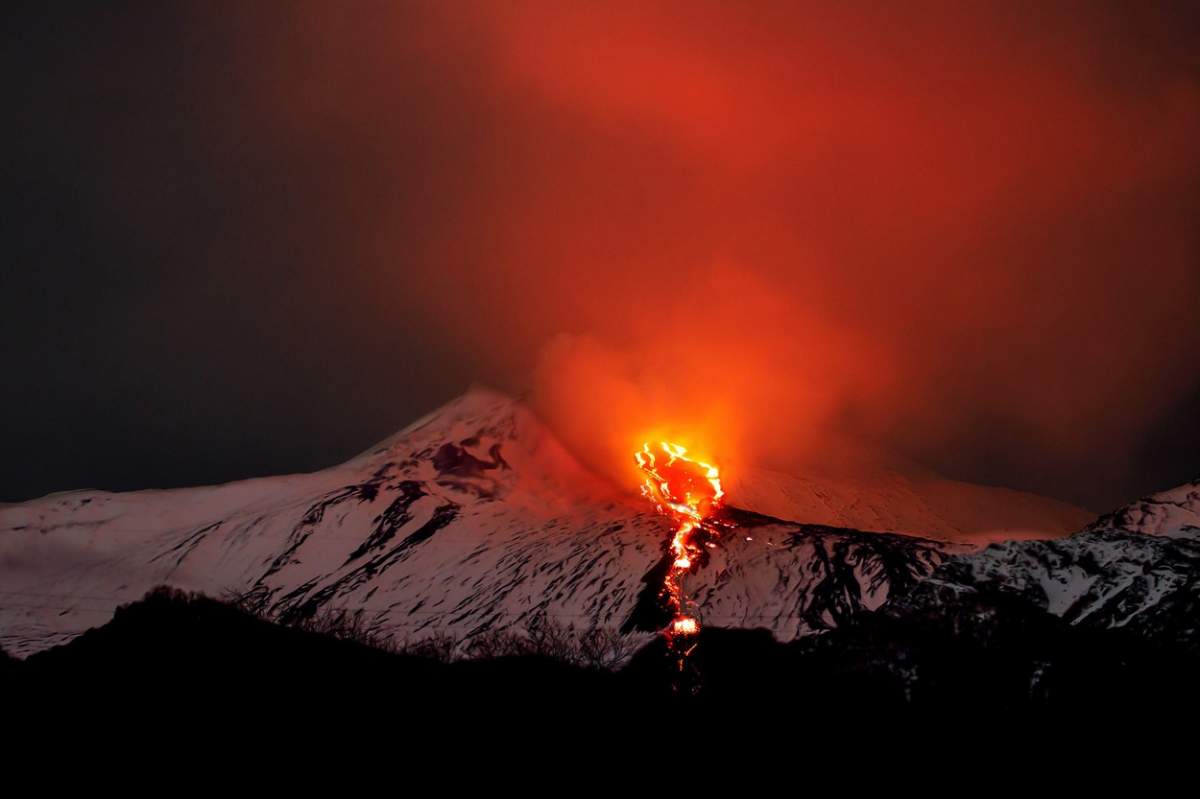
(966, 236)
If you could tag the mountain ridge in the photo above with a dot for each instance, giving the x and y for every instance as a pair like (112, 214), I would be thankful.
(472, 519)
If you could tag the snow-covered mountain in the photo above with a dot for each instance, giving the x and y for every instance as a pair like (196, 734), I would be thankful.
(1136, 568)
(1167, 513)
(475, 518)
(471, 519)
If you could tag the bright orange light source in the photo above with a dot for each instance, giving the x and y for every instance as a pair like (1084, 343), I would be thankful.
(685, 625)
(689, 491)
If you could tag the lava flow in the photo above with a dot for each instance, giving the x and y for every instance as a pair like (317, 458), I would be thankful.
(689, 491)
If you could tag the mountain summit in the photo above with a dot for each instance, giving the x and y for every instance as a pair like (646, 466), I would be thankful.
(473, 519)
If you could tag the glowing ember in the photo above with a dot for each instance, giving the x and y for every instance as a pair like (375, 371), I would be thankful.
(685, 625)
(689, 491)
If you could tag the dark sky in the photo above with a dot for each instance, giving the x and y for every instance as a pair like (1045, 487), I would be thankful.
(250, 238)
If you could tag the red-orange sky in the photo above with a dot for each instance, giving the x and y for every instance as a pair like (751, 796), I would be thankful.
(964, 234)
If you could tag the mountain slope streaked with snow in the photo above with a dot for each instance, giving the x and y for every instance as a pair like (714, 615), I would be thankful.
(1136, 568)
(475, 519)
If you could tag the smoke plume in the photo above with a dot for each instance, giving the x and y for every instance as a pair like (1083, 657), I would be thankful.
(793, 234)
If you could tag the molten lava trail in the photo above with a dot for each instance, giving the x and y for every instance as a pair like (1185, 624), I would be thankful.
(689, 492)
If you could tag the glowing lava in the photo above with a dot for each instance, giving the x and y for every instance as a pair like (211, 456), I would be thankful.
(689, 491)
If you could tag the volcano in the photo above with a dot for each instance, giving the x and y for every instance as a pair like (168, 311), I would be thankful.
(476, 519)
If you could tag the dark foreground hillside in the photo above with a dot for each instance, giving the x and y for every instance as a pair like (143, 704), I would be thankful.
(211, 661)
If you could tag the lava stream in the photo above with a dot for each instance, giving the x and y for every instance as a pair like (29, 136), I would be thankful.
(689, 491)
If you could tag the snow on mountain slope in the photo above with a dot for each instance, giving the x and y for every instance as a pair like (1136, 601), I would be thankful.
(1137, 568)
(1166, 513)
(473, 518)
(923, 504)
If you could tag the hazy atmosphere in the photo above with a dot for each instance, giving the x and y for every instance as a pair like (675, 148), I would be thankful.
(258, 242)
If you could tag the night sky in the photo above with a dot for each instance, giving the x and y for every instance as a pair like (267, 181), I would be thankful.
(243, 239)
